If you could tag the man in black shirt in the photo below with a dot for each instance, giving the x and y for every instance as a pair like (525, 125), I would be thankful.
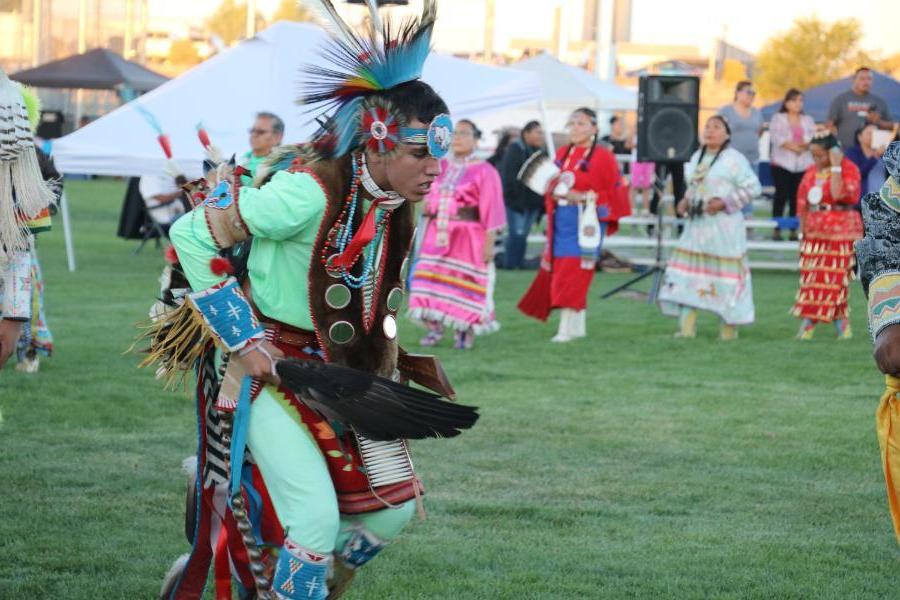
(523, 206)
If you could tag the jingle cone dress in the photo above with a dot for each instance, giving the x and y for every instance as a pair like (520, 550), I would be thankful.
(826, 253)
(451, 283)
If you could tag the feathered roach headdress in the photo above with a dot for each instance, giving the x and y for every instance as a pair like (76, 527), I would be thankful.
(23, 192)
(348, 92)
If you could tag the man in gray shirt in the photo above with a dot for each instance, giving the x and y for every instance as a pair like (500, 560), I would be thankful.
(746, 122)
(856, 107)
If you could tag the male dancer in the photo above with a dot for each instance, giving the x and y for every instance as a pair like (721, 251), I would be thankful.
(325, 484)
(878, 256)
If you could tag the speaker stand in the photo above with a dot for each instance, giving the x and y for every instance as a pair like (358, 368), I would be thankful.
(656, 271)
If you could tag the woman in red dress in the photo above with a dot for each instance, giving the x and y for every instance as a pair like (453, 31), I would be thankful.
(589, 176)
(826, 204)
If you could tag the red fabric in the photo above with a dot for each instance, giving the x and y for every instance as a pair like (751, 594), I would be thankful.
(363, 235)
(826, 254)
(851, 188)
(222, 568)
(561, 282)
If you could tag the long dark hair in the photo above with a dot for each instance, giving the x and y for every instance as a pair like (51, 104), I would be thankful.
(790, 95)
(584, 162)
(727, 127)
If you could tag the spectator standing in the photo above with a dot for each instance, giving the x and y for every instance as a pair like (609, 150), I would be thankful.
(506, 136)
(868, 160)
(790, 130)
(745, 121)
(856, 107)
(619, 142)
(523, 206)
(266, 133)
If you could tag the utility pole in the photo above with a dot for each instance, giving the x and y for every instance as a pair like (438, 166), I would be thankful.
(251, 18)
(36, 32)
(490, 10)
(82, 47)
(128, 38)
(603, 60)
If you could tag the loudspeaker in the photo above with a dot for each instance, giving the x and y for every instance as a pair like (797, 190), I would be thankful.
(667, 118)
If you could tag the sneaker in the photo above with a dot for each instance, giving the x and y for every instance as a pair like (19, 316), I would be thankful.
(28, 365)
(432, 338)
(776, 235)
(561, 338)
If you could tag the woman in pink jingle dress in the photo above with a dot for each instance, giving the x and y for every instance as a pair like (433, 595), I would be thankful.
(452, 284)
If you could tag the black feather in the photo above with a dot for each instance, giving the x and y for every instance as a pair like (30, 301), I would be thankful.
(376, 407)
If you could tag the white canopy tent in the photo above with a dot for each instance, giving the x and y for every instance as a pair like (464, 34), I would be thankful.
(566, 86)
(261, 74)
(225, 93)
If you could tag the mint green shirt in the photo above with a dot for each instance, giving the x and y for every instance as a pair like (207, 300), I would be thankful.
(284, 217)
(251, 162)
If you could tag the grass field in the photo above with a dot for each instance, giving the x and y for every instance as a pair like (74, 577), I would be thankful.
(626, 465)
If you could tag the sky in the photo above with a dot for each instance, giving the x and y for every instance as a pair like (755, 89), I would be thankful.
(664, 21)
(695, 22)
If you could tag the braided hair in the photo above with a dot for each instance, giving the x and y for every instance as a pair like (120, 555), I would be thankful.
(584, 162)
(727, 127)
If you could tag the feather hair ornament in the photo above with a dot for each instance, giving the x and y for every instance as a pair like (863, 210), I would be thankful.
(359, 66)
(23, 191)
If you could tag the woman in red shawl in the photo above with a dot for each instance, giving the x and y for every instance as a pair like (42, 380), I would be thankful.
(588, 178)
(826, 204)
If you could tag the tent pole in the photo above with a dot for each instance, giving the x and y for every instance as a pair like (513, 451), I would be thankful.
(67, 231)
(548, 136)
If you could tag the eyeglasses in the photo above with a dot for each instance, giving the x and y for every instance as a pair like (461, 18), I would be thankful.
(254, 131)
(462, 133)
(750, 91)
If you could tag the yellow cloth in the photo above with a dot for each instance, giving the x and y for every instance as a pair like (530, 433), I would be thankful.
(887, 423)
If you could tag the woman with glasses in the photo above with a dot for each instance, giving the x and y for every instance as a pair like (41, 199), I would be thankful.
(581, 202)
(708, 269)
(452, 284)
(746, 123)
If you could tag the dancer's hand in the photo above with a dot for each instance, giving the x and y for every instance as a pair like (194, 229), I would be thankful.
(682, 207)
(887, 350)
(9, 337)
(716, 205)
(259, 362)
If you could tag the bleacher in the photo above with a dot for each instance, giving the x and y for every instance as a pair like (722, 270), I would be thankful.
(636, 244)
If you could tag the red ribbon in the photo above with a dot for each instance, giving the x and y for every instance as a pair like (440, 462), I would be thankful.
(163, 140)
(204, 138)
(364, 235)
(222, 566)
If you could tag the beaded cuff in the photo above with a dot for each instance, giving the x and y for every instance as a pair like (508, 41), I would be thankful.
(228, 315)
(884, 302)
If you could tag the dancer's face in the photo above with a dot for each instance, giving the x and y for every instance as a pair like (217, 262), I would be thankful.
(464, 141)
(409, 172)
(581, 128)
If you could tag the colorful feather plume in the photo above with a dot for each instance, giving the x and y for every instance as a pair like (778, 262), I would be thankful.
(360, 65)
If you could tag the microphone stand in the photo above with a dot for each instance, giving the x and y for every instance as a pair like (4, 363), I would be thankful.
(659, 266)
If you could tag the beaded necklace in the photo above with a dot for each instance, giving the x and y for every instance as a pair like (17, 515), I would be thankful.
(340, 235)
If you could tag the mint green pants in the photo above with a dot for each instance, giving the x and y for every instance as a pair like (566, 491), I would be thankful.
(299, 484)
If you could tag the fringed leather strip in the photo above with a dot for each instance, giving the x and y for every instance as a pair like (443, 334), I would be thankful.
(177, 339)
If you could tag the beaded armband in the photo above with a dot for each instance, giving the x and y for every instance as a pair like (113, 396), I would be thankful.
(181, 331)
(223, 218)
(227, 314)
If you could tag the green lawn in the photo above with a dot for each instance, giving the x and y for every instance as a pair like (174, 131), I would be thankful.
(626, 465)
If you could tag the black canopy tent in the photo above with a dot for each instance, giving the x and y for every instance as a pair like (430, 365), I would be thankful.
(97, 69)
